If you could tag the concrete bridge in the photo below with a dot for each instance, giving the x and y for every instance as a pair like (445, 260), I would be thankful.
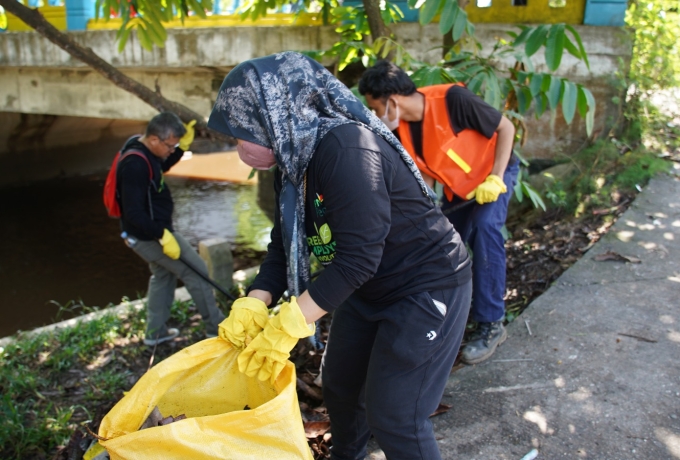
(54, 103)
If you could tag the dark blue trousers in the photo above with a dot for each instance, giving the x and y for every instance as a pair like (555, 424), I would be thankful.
(480, 228)
(384, 372)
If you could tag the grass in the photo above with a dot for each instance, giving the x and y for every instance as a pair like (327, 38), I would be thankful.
(613, 168)
(53, 384)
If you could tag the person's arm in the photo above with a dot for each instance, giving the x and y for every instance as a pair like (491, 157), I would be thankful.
(429, 180)
(504, 143)
(355, 183)
(173, 159)
(310, 309)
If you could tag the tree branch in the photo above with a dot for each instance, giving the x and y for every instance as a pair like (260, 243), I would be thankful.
(34, 19)
(375, 21)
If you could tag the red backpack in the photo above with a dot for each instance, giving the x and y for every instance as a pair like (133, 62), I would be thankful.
(110, 187)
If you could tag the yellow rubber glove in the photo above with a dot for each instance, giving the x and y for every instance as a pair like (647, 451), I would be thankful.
(170, 245)
(267, 354)
(489, 190)
(247, 319)
(188, 138)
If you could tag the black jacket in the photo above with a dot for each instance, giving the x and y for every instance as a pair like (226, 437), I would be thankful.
(140, 198)
(368, 221)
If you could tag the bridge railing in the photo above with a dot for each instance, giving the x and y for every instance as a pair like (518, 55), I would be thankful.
(79, 14)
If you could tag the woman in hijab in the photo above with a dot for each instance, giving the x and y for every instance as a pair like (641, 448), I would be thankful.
(396, 277)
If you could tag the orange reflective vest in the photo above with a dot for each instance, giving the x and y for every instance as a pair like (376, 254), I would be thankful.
(459, 162)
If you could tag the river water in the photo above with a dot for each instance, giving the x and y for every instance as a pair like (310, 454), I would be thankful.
(59, 249)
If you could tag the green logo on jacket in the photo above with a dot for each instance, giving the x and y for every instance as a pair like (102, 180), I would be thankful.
(322, 244)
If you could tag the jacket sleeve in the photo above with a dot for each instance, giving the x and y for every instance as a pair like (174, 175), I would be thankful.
(355, 183)
(133, 178)
(272, 276)
(173, 159)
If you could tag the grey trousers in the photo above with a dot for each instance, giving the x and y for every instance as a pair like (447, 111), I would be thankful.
(163, 282)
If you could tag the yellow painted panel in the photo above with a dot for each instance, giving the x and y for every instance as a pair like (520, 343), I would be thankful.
(55, 15)
(223, 20)
(534, 12)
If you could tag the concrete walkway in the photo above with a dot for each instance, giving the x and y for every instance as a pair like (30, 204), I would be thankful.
(596, 373)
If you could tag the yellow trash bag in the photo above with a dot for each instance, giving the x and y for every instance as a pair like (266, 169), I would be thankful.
(203, 382)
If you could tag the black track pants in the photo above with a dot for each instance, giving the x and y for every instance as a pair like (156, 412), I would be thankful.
(384, 371)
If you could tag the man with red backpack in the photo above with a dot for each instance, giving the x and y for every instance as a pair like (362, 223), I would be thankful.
(146, 208)
(460, 141)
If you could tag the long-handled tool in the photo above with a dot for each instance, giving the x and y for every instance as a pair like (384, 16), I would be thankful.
(458, 207)
(206, 278)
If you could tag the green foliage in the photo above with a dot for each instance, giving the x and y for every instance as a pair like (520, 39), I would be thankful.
(655, 25)
(46, 380)
(556, 193)
(147, 17)
(606, 173)
(524, 189)
(522, 88)
(352, 30)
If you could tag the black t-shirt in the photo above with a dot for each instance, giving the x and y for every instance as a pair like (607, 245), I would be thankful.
(141, 198)
(370, 224)
(466, 111)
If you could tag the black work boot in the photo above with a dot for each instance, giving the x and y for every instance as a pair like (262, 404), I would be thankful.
(483, 342)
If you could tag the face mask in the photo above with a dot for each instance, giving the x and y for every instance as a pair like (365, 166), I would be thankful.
(391, 124)
(255, 155)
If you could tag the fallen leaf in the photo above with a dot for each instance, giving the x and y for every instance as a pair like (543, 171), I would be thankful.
(316, 429)
(153, 419)
(441, 409)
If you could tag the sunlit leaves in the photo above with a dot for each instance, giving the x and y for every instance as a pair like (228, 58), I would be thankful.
(353, 27)
(147, 17)
(655, 25)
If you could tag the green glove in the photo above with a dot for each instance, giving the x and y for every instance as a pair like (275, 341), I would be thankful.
(488, 191)
(170, 245)
(188, 138)
(267, 354)
(247, 319)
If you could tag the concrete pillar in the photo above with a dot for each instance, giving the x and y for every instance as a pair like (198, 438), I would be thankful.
(78, 12)
(217, 255)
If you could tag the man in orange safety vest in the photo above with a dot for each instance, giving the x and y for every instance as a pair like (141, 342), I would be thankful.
(460, 141)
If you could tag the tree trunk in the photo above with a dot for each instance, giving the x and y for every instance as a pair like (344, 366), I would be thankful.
(375, 21)
(34, 19)
(448, 38)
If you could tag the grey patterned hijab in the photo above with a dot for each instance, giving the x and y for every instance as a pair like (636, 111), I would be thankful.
(288, 102)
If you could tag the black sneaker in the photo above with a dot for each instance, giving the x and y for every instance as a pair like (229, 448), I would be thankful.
(483, 342)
